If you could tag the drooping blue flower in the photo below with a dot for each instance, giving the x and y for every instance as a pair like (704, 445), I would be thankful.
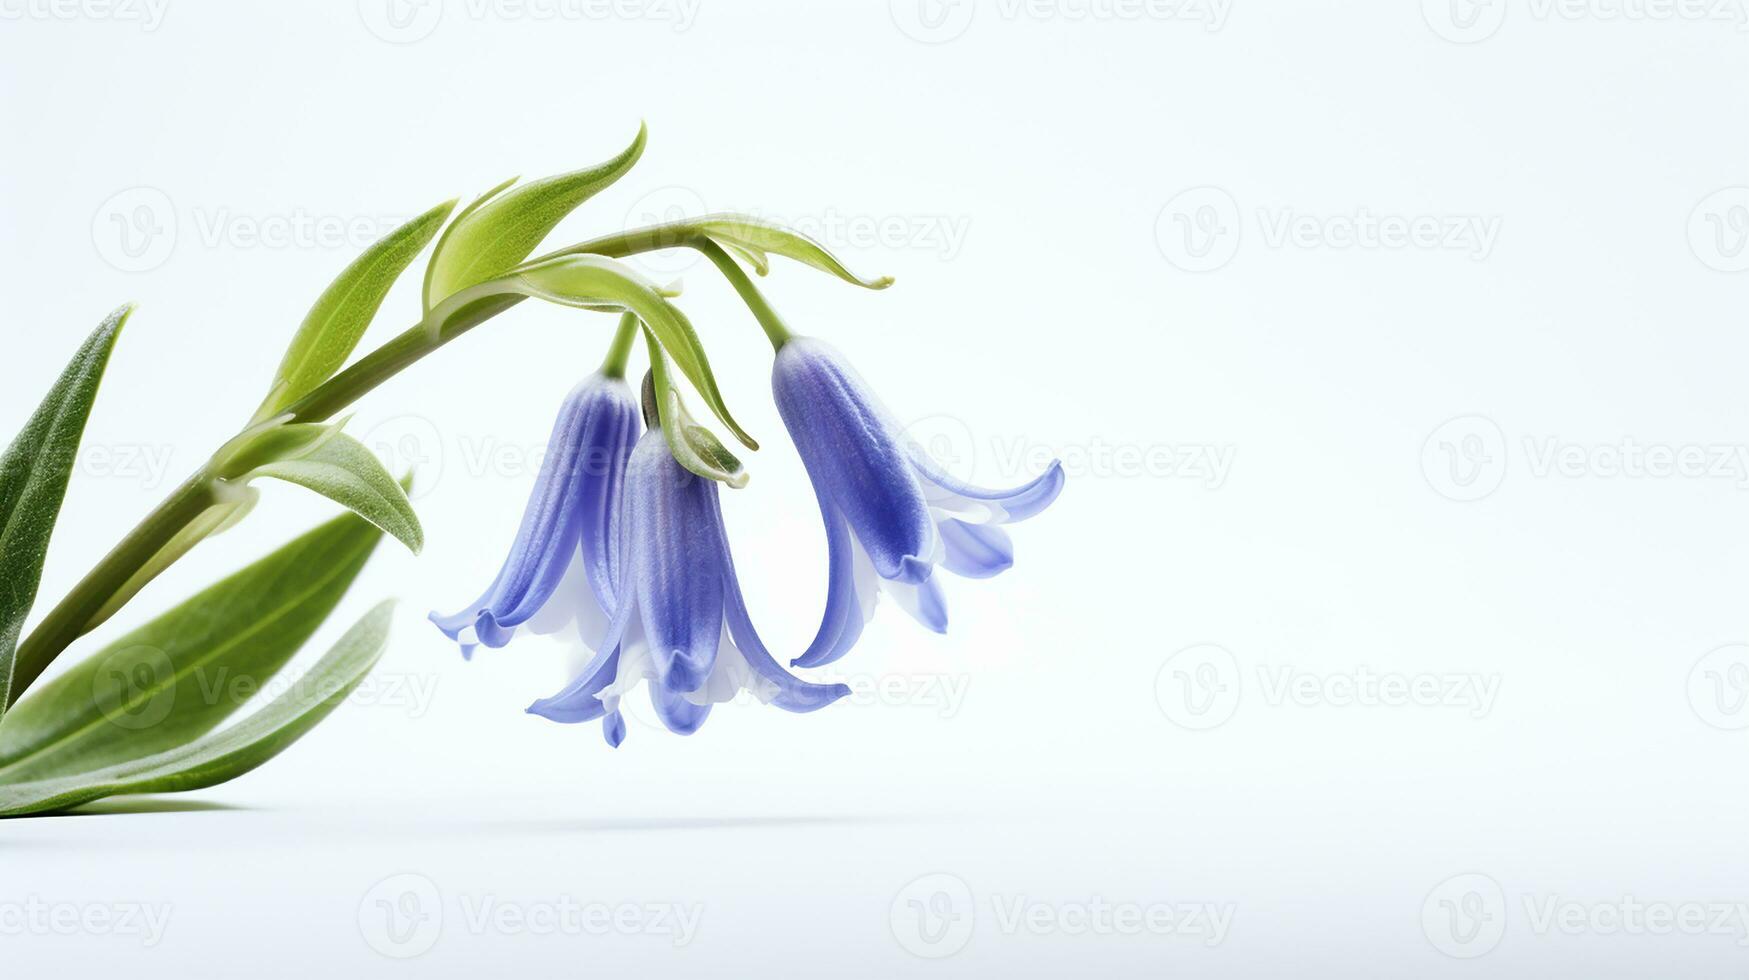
(679, 620)
(892, 514)
(564, 563)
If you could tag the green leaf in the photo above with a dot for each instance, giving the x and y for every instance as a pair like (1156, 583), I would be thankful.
(694, 447)
(337, 322)
(231, 752)
(343, 470)
(751, 238)
(597, 283)
(181, 675)
(33, 482)
(503, 228)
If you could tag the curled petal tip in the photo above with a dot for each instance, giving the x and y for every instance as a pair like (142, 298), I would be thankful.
(913, 570)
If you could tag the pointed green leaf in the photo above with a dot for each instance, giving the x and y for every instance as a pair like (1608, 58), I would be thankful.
(594, 282)
(751, 238)
(33, 482)
(343, 470)
(181, 675)
(229, 753)
(337, 322)
(489, 240)
(693, 446)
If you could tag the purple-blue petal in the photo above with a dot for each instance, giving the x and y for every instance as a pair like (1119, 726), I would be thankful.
(578, 702)
(1017, 504)
(572, 506)
(679, 715)
(676, 581)
(853, 453)
(793, 693)
(975, 550)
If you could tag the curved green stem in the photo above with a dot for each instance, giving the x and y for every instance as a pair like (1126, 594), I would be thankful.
(614, 366)
(77, 614)
(775, 329)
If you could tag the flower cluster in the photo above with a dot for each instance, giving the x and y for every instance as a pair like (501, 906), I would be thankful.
(625, 546)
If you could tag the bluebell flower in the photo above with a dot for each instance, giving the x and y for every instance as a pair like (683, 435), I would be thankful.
(892, 513)
(562, 569)
(679, 620)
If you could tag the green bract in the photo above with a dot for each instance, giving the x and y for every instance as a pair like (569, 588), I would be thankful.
(694, 446)
(506, 225)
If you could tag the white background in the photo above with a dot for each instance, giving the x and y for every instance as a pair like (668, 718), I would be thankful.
(1139, 237)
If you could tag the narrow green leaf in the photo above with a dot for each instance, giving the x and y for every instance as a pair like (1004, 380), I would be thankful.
(693, 446)
(489, 240)
(596, 283)
(181, 675)
(751, 238)
(33, 482)
(337, 322)
(229, 753)
(343, 470)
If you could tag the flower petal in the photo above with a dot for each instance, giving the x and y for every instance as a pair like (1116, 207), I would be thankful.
(924, 600)
(851, 592)
(676, 580)
(679, 715)
(579, 482)
(979, 504)
(578, 701)
(976, 550)
(792, 693)
(852, 453)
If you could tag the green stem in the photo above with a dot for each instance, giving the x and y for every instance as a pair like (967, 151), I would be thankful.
(737, 276)
(620, 353)
(75, 615)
